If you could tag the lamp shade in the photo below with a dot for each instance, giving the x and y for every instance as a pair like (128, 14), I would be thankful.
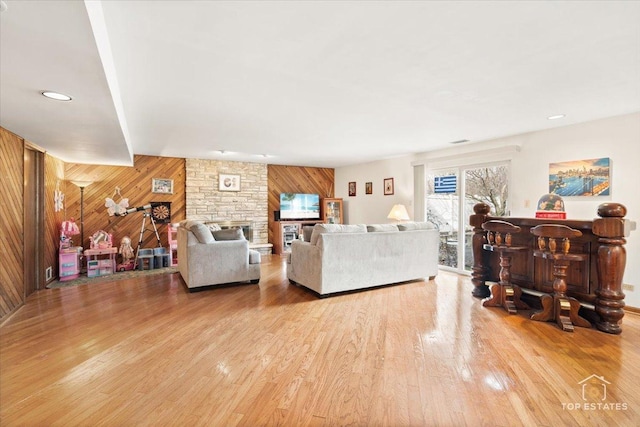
(81, 184)
(399, 213)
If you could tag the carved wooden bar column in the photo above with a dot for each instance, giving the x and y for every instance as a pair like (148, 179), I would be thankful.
(480, 268)
(611, 230)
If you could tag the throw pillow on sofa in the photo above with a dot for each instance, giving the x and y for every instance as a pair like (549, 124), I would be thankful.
(408, 226)
(373, 228)
(228, 234)
(202, 232)
(319, 229)
(188, 223)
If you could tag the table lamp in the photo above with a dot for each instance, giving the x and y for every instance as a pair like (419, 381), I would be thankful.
(399, 213)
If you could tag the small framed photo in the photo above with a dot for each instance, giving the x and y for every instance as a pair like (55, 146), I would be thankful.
(352, 188)
(368, 187)
(228, 182)
(388, 186)
(162, 186)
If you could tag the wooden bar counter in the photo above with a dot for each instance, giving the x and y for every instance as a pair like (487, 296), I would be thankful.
(595, 282)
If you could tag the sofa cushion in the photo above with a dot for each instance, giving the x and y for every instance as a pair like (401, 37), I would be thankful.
(408, 226)
(373, 228)
(319, 229)
(228, 234)
(202, 233)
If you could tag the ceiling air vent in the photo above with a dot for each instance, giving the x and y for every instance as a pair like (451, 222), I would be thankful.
(459, 141)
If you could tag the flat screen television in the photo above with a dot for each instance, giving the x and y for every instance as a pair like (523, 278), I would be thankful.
(299, 206)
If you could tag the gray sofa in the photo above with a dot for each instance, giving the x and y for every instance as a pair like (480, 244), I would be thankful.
(209, 256)
(339, 258)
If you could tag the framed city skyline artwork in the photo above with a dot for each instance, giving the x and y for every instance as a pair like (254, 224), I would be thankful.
(589, 177)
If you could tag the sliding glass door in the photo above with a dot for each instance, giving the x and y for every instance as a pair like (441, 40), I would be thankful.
(451, 195)
(443, 198)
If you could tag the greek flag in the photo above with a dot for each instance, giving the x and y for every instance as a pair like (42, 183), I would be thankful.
(445, 184)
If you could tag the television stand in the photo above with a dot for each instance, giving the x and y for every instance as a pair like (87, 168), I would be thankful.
(286, 232)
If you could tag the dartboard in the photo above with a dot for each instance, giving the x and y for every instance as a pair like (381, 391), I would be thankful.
(162, 213)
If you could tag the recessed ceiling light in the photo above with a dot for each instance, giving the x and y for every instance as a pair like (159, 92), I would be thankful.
(55, 95)
(558, 116)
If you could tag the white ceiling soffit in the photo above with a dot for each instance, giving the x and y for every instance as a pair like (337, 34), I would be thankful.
(48, 45)
(310, 83)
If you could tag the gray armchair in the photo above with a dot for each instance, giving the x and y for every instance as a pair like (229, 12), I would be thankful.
(204, 260)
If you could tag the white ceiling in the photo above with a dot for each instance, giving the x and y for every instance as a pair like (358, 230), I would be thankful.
(324, 83)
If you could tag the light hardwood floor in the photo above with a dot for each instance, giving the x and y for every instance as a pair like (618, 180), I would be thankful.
(147, 352)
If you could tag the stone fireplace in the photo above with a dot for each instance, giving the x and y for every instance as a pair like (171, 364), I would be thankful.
(246, 208)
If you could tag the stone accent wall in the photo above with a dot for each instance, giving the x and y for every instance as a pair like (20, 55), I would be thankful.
(205, 202)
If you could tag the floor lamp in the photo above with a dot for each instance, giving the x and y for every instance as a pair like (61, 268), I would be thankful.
(82, 185)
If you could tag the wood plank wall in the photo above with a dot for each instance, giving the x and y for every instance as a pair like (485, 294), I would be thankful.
(135, 184)
(53, 179)
(11, 222)
(296, 179)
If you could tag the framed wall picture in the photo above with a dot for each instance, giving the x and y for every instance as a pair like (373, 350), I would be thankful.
(352, 188)
(228, 182)
(162, 186)
(388, 186)
(368, 187)
(589, 177)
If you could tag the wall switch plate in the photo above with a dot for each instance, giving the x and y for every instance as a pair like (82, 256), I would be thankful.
(626, 287)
